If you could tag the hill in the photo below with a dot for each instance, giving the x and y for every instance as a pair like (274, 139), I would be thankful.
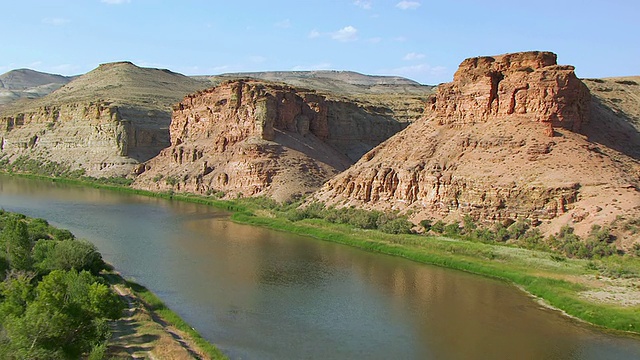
(104, 122)
(514, 136)
(30, 84)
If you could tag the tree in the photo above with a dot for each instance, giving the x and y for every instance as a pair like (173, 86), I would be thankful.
(16, 244)
(66, 255)
(66, 318)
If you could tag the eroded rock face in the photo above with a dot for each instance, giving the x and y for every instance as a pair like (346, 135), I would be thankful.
(485, 150)
(99, 137)
(91, 136)
(248, 138)
(529, 83)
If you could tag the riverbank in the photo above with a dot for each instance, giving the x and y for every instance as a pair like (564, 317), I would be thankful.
(596, 291)
(149, 329)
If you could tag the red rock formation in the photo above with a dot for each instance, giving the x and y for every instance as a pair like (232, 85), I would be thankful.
(255, 138)
(521, 83)
(484, 150)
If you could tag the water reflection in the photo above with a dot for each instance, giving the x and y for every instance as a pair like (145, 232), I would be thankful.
(261, 294)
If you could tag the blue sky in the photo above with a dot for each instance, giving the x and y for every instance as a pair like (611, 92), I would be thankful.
(423, 40)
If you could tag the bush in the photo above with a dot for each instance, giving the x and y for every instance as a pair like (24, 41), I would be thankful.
(452, 230)
(468, 224)
(518, 229)
(438, 227)
(399, 225)
(426, 224)
(635, 250)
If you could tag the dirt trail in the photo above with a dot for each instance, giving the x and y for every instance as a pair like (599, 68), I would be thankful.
(141, 334)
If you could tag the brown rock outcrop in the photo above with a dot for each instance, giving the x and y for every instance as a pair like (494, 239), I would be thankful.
(522, 83)
(484, 149)
(254, 138)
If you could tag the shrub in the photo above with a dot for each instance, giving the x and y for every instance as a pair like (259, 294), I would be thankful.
(518, 229)
(399, 225)
(438, 227)
(635, 250)
(468, 224)
(426, 224)
(452, 230)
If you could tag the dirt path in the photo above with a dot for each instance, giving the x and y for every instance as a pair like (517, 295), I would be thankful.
(141, 334)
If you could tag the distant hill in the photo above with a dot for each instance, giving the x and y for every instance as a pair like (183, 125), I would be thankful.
(31, 84)
(336, 82)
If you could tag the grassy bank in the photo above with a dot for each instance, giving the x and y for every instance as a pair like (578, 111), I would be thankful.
(167, 316)
(559, 281)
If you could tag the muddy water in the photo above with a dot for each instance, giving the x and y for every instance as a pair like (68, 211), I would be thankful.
(260, 294)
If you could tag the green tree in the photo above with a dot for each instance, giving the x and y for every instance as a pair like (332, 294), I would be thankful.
(66, 318)
(468, 224)
(66, 255)
(16, 244)
(426, 224)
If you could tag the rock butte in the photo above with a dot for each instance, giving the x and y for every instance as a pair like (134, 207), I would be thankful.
(511, 137)
(248, 137)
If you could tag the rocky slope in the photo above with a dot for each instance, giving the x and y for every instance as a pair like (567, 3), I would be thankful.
(513, 136)
(251, 138)
(106, 121)
(30, 84)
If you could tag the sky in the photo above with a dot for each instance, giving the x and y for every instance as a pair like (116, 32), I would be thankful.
(423, 40)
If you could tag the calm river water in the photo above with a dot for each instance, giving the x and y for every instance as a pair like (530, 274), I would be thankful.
(261, 294)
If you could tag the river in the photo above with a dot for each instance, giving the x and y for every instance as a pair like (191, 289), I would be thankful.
(262, 294)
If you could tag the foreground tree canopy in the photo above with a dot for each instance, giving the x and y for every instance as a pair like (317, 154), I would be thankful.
(53, 303)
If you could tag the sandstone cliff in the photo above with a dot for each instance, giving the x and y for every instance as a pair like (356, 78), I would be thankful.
(104, 122)
(513, 136)
(247, 137)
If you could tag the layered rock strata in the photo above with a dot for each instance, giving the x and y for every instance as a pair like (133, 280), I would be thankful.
(504, 140)
(104, 122)
(247, 137)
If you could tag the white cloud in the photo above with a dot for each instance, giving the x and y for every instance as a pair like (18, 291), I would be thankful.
(413, 56)
(313, 34)
(115, 2)
(284, 24)
(55, 21)
(375, 40)
(319, 66)
(347, 33)
(364, 4)
(408, 5)
(400, 39)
